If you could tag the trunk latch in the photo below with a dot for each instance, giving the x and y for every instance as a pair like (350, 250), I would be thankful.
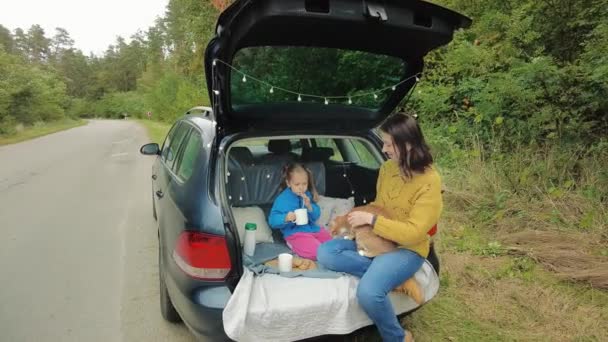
(375, 11)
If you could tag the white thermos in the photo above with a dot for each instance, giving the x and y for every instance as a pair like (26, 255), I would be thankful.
(249, 244)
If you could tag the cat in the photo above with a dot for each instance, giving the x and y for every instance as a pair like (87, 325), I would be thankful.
(368, 243)
(371, 245)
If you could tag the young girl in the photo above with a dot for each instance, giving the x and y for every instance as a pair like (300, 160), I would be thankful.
(299, 192)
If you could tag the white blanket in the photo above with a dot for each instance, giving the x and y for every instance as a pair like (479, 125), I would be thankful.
(274, 308)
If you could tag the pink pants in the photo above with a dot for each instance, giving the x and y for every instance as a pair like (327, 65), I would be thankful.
(306, 244)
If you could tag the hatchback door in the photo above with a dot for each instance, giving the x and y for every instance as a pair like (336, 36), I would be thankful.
(301, 64)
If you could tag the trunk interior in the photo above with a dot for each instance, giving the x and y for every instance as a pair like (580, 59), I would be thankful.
(345, 170)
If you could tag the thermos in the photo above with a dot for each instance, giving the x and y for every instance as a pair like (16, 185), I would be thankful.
(249, 244)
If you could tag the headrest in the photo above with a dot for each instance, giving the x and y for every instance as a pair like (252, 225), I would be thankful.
(241, 154)
(281, 146)
(259, 184)
(317, 153)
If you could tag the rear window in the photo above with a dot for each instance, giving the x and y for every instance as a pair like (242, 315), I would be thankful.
(272, 74)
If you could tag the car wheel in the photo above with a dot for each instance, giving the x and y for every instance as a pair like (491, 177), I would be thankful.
(166, 307)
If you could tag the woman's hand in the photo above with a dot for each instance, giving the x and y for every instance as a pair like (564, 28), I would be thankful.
(291, 216)
(359, 218)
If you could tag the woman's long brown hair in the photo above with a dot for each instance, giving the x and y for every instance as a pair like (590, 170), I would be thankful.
(404, 130)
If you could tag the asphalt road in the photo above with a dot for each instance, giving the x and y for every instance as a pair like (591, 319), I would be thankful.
(78, 252)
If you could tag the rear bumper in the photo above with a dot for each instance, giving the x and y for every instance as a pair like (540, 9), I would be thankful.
(202, 310)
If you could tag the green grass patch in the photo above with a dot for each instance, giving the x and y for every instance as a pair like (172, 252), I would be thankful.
(40, 129)
(157, 130)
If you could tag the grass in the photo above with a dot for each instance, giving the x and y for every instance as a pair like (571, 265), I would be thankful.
(40, 129)
(157, 131)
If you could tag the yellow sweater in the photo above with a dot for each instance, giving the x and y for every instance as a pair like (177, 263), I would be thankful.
(415, 205)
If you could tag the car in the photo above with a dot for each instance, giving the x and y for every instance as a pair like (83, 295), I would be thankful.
(289, 80)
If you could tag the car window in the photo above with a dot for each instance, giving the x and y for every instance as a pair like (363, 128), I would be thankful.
(167, 142)
(296, 146)
(306, 74)
(174, 143)
(188, 158)
(328, 142)
(366, 157)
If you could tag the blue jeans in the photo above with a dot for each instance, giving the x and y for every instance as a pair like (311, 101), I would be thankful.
(379, 276)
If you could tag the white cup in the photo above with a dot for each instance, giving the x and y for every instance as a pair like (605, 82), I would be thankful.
(285, 262)
(301, 216)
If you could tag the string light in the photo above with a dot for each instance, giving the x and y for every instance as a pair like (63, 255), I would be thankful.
(214, 62)
(216, 92)
(326, 99)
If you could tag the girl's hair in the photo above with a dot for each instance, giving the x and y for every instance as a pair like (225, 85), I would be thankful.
(404, 130)
(290, 168)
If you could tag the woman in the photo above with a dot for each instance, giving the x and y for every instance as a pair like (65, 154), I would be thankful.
(410, 189)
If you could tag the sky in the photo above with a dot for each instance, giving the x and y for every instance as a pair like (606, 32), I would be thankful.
(93, 25)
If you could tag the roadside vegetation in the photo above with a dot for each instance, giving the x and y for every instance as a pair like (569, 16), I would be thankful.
(39, 129)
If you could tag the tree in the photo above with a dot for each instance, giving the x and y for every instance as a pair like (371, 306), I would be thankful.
(61, 41)
(38, 45)
(6, 39)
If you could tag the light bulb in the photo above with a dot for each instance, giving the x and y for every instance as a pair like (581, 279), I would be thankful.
(271, 90)
(417, 79)
(352, 192)
(375, 96)
(244, 78)
(394, 88)
(350, 101)
(299, 98)
(216, 92)
(214, 63)
(326, 101)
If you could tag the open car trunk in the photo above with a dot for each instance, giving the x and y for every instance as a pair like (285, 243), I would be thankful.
(268, 306)
(298, 64)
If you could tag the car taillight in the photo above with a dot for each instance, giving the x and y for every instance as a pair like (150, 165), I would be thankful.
(202, 256)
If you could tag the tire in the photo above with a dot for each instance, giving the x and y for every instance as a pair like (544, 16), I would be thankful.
(167, 309)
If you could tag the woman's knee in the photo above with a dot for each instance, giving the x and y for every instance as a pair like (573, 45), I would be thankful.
(369, 294)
